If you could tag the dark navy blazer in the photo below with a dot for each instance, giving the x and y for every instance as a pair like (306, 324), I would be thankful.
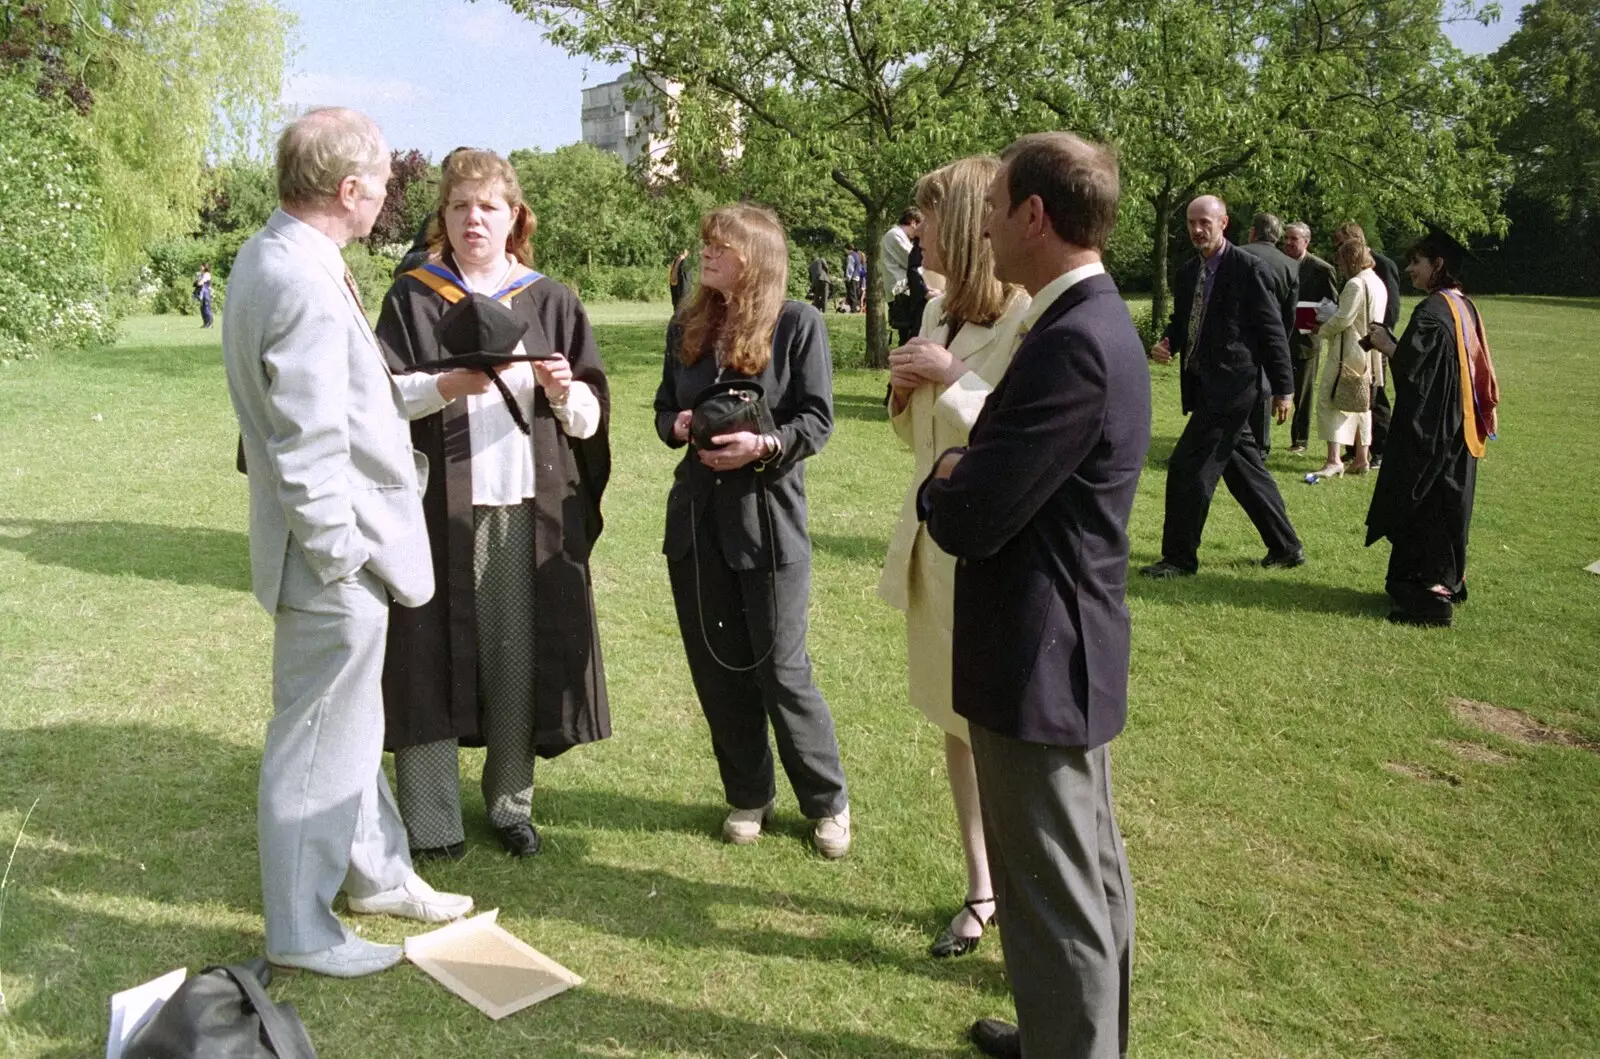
(1241, 337)
(1036, 513)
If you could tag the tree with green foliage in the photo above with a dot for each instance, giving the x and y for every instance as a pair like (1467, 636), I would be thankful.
(165, 83)
(1359, 107)
(864, 93)
(1552, 63)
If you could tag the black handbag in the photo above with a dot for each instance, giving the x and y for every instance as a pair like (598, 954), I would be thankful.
(223, 1013)
(727, 408)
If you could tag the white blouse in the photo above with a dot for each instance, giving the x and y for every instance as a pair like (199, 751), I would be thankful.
(502, 455)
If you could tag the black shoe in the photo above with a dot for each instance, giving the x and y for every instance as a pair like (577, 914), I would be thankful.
(520, 840)
(950, 944)
(1285, 562)
(454, 851)
(996, 1038)
(1165, 571)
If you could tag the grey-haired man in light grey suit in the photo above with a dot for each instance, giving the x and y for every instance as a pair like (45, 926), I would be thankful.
(335, 530)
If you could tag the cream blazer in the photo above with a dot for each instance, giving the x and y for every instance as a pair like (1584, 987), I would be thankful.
(936, 419)
(1361, 302)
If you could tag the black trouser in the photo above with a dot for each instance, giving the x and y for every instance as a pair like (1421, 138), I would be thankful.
(820, 292)
(1222, 446)
(742, 617)
(1305, 399)
(1261, 423)
(1381, 414)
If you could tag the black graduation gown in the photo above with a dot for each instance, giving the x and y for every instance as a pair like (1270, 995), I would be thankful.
(430, 686)
(1423, 499)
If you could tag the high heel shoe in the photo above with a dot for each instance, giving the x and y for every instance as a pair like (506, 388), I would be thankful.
(950, 944)
(1327, 471)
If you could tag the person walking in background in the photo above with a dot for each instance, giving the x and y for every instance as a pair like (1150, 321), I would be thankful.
(1446, 397)
(1349, 366)
(336, 529)
(678, 278)
(1227, 328)
(855, 278)
(1389, 273)
(905, 313)
(821, 289)
(1283, 278)
(507, 653)
(1036, 508)
(202, 294)
(1318, 282)
(737, 547)
(939, 382)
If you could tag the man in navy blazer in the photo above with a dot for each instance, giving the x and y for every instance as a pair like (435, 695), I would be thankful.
(1228, 330)
(1036, 511)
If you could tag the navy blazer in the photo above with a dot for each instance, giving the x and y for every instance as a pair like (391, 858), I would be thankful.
(1241, 337)
(798, 382)
(1037, 515)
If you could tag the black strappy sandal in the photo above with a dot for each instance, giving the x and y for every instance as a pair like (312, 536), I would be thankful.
(950, 944)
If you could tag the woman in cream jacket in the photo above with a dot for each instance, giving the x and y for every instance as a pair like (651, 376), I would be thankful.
(939, 381)
(1361, 302)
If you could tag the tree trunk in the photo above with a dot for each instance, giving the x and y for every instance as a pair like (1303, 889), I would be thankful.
(877, 310)
(1159, 290)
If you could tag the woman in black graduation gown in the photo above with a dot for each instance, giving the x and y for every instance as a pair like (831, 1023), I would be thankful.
(507, 653)
(1444, 412)
(737, 548)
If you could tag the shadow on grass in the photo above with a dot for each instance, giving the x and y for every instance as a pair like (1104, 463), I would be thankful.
(858, 548)
(173, 362)
(185, 555)
(1266, 591)
(1543, 302)
(864, 409)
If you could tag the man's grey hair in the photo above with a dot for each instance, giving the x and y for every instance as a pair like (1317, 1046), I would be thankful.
(1268, 227)
(1300, 228)
(321, 149)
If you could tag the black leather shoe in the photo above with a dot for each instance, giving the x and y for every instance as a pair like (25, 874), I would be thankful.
(451, 852)
(950, 944)
(1165, 571)
(520, 840)
(996, 1038)
(1274, 561)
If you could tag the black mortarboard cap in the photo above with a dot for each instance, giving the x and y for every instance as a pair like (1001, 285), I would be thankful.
(1439, 243)
(478, 332)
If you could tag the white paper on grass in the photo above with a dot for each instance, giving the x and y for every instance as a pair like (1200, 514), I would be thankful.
(132, 1008)
(1594, 567)
(489, 968)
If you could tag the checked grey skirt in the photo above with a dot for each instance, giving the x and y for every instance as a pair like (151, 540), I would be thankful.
(428, 777)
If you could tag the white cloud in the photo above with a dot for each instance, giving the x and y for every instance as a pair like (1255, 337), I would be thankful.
(313, 88)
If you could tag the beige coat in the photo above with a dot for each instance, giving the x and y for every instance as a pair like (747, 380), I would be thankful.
(918, 577)
(1361, 302)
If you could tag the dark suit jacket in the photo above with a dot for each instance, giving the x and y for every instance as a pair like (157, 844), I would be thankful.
(1241, 337)
(1037, 515)
(798, 382)
(1283, 278)
(1389, 272)
(1318, 280)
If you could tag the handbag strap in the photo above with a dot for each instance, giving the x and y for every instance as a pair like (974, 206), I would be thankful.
(280, 1034)
(772, 582)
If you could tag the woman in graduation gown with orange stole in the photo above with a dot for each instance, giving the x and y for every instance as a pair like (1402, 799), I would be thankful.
(1444, 413)
(507, 653)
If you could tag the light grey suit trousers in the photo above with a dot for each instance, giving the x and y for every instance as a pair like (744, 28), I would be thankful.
(1064, 901)
(325, 817)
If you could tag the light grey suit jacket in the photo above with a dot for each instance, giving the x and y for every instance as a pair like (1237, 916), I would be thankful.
(322, 420)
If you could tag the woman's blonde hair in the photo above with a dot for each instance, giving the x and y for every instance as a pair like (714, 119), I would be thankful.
(958, 193)
(1353, 255)
(740, 322)
(469, 165)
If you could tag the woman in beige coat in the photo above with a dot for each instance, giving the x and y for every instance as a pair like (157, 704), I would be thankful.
(1361, 302)
(939, 381)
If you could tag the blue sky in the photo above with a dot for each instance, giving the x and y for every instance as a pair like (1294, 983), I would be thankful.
(385, 57)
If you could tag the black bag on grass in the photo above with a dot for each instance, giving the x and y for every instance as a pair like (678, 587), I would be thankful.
(223, 1013)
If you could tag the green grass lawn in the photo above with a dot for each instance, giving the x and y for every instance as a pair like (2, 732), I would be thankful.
(1319, 869)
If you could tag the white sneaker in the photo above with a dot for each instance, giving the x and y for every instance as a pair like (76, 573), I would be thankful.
(351, 959)
(832, 835)
(743, 826)
(414, 899)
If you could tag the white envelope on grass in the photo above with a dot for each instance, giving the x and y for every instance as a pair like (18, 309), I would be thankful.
(482, 963)
(132, 1008)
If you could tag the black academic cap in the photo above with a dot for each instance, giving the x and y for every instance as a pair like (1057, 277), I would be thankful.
(1441, 244)
(478, 332)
